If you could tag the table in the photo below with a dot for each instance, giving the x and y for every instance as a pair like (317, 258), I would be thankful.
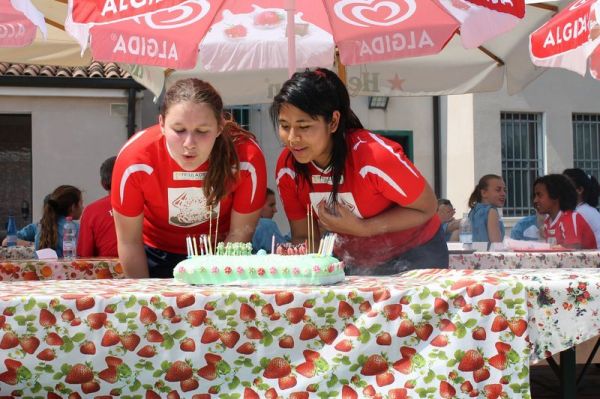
(17, 252)
(537, 260)
(430, 332)
(79, 269)
(525, 260)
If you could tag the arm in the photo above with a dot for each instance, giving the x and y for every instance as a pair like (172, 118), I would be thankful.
(242, 226)
(493, 226)
(394, 219)
(130, 245)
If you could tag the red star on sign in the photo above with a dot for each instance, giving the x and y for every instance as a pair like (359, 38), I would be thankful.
(396, 83)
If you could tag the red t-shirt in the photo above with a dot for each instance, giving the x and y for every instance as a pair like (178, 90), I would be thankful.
(570, 228)
(377, 177)
(97, 236)
(147, 180)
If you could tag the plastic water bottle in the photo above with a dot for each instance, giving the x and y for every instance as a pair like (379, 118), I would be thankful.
(69, 245)
(11, 232)
(466, 232)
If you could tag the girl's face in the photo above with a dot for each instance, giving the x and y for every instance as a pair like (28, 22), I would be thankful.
(542, 201)
(190, 130)
(309, 140)
(495, 193)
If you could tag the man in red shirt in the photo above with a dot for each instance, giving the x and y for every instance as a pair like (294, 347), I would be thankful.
(97, 236)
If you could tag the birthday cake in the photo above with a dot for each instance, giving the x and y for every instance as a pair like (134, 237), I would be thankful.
(239, 267)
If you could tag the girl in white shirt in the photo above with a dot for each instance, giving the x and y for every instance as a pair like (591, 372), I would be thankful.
(588, 190)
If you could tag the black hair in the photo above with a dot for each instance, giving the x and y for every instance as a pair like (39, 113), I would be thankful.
(320, 93)
(106, 170)
(588, 183)
(559, 188)
(270, 192)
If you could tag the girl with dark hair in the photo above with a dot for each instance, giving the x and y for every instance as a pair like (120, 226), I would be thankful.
(62, 202)
(587, 189)
(555, 196)
(359, 185)
(489, 195)
(196, 170)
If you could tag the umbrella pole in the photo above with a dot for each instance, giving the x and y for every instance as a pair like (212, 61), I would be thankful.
(341, 68)
(290, 7)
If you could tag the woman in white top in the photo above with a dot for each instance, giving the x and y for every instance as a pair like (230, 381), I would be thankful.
(588, 190)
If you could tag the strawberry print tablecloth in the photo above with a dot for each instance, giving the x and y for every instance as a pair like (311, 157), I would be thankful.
(80, 269)
(525, 260)
(427, 333)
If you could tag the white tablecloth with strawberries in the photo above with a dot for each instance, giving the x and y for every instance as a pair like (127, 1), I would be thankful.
(525, 260)
(427, 333)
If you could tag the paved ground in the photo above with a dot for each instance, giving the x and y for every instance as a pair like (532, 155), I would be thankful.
(545, 384)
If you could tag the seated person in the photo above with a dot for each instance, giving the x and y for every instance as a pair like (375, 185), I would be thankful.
(26, 243)
(267, 228)
(63, 201)
(97, 235)
(446, 213)
(489, 195)
(528, 228)
(555, 196)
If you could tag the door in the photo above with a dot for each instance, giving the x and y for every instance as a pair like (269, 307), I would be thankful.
(16, 168)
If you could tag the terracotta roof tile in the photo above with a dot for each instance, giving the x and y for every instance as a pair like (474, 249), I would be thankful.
(94, 70)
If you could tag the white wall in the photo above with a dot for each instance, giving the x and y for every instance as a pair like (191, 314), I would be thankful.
(73, 132)
(458, 155)
(404, 113)
(557, 94)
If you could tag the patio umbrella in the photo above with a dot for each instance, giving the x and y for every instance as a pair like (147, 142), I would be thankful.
(364, 31)
(21, 42)
(570, 40)
(392, 30)
(19, 23)
(453, 70)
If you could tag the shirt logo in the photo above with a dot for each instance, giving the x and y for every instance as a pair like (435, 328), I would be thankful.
(189, 175)
(187, 207)
(320, 179)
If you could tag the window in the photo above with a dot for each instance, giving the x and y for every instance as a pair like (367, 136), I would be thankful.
(586, 143)
(402, 137)
(241, 114)
(522, 159)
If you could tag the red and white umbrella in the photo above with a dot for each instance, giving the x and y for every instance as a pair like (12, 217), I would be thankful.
(570, 39)
(229, 38)
(253, 34)
(103, 11)
(19, 22)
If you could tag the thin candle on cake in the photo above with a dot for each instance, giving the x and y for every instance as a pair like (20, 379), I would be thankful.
(217, 227)
(209, 247)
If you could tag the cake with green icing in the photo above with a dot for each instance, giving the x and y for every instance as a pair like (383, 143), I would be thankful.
(257, 270)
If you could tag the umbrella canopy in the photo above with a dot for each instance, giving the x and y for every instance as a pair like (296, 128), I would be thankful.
(249, 34)
(454, 70)
(18, 24)
(570, 40)
(252, 36)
